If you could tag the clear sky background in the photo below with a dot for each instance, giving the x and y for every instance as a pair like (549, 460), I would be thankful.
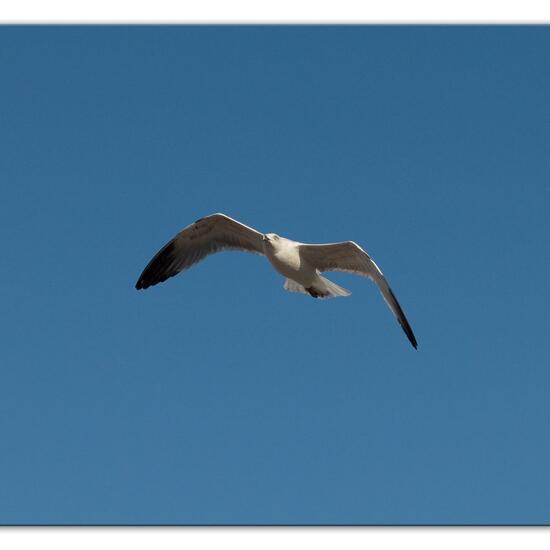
(218, 397)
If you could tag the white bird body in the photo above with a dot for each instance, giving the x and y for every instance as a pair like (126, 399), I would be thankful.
(300, 263)
(284, 256)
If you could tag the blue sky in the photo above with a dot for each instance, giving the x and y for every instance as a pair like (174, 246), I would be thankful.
(218, 397)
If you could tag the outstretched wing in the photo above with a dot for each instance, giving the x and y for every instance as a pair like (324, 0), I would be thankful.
(350, 257)
(191, 245)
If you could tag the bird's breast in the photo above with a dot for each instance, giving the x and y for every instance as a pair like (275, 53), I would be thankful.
(285, 260)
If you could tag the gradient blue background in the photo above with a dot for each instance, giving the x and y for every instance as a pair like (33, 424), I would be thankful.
(218, 397)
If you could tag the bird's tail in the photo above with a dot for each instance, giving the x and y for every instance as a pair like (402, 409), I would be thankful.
(330, 290)
(322, 288)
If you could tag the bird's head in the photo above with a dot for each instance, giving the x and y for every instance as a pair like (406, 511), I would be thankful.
(271, 238)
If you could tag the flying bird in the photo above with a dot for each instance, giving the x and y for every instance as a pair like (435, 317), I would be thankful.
(300, 263)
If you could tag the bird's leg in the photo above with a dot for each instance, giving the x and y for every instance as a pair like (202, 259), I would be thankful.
(314, 292)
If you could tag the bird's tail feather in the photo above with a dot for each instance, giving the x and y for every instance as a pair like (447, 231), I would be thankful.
(293, 286)
(321, 289)
(331, 290)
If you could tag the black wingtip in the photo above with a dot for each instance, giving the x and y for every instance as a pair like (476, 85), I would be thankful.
(140, 285)
(156, 270)
(402, 320)
(410, 335)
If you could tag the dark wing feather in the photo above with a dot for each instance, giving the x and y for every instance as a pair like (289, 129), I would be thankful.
(350, 257)
(191, 245)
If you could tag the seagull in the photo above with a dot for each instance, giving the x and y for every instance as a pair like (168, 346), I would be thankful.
(300, 263)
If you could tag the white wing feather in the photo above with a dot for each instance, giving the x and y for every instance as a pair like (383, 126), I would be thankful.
(191, 245)
(351, 258)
